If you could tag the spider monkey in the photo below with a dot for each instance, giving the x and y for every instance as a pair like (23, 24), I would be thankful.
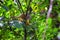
(25, 16)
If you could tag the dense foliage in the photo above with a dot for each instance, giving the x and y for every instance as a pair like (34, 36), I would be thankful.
(12, 28)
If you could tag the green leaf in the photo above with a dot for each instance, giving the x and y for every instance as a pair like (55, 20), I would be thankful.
(49, 21)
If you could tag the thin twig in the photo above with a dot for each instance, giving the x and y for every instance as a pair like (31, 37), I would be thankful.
(19, 6)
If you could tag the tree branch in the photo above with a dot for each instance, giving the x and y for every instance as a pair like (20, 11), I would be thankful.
(50, 9)
(48, 16)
